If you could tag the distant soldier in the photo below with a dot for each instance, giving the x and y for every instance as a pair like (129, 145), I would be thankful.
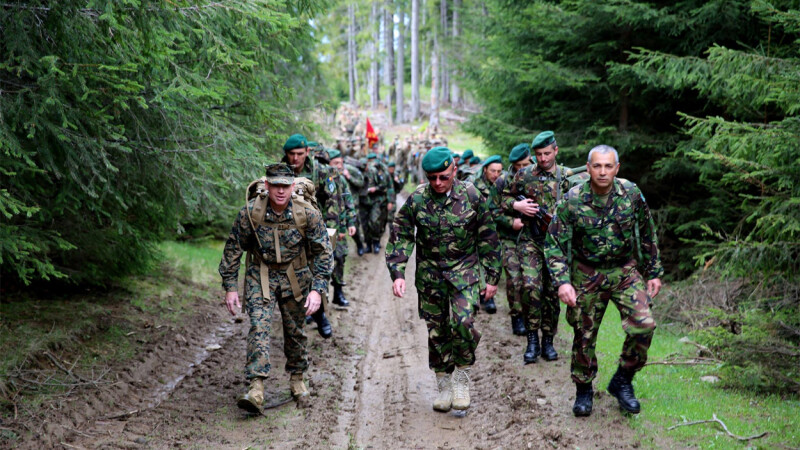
(600, 233)
(484, 183)
(509, 227)
(464, 163)
(398, 181)
(288, 263)
(454, 234)
(542, 186)
(380, 200)
(355, 177)
(346, 227)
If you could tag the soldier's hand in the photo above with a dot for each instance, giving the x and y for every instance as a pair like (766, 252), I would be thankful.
(491, 290)
(653, 287)
(351, 231)
(527, 207)
(390, 206)
(372, 189)
(567, 294)
(399, 287)
(232, 302)
(312, 302)
(517, 224)
(346, 173)
(342, 236)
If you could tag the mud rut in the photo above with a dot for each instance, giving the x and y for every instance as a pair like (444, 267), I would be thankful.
(370, 384)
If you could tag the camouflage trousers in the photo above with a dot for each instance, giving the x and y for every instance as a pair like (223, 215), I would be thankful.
(376, 221)
(447, 311)
(362, 215)
(540, 303)
(595, 287)
(513, 277)
(339, 257)
(261, 313)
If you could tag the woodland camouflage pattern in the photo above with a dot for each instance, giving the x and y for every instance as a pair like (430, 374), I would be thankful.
(599, 237)
(314, 277)
(508, 237)
(376, 203)
(455, 236)
(342, 216)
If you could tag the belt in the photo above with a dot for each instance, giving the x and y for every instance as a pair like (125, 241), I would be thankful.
(605, 264)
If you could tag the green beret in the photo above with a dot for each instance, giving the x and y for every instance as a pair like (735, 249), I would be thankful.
(493, 159)
(467, 155)
(333, 153)
(437, 159)
(457, 155)
(313, 144)
(474, 160)
(519, 153)
(392, 164)
(371, 155)
(543, 139)
(295, 141)
(280, 173)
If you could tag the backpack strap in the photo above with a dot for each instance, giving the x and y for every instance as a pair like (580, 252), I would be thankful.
(636, 244)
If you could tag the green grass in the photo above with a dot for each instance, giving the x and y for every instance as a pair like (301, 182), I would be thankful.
(670, 394)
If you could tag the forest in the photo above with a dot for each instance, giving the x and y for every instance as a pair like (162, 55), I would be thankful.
(126, 123)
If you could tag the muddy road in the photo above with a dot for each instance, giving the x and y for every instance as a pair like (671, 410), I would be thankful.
(370, 384)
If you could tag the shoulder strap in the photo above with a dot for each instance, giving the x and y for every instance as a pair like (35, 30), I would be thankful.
(629, 188)
(300, 215)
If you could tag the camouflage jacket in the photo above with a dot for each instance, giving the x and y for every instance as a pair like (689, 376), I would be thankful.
(322, 176)
(505, 220)
(343, 212)
(491, 197)
(535, 183)
(356, 182)
(455, 233)
(602, 235)
(378, 177)
(243, 239)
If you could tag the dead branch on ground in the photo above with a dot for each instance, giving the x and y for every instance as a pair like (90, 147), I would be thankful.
(724, 427)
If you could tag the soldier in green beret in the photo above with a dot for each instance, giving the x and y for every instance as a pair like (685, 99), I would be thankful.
(346, 226)
(601, 234)
(288, 263)
(508, 227)
(380, 200)
(456, 237)
(464, 166)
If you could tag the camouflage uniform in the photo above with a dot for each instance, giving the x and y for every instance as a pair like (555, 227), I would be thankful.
(508, 238)
(456, 236)
(539, 300)
(339, 216)
(593, 246)
(376, 202)
(313, 277)
(323, 178)
(357, 183)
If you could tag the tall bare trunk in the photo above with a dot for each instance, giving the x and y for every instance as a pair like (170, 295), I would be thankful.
(425, 75)
(388, 49)
(434, 119)
(375, 83)
(455, 90)
(444, 94)
(351, 64)
(414, 59)
(400, 68)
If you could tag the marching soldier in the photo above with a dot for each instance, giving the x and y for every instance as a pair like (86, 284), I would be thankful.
(484, 183)
(455, 234)
(346, 226)
(380, 200)
(601, 232)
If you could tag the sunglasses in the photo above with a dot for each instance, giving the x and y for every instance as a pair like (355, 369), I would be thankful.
(439, 177)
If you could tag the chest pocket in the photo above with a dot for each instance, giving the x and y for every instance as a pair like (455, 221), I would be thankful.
(280, 242)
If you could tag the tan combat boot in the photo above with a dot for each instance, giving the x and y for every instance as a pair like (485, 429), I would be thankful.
(461, 388)
(445, 399)
(253, 400)
(297, 386)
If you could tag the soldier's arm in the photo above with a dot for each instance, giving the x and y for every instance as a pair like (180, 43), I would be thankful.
(401, 240)
(349, 206)
(648, 239)
(235, 246)
(390, 194)
(556, 246)
(357, 178)
(509, 194)
(320, 252)
(488, 243)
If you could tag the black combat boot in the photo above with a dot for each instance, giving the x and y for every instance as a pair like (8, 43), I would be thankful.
(620, 387)
(532, 350)
(549, 352)
(338, 296)
(489, 306)
(323, 326)
(583, 399)
(360, 250)
(518, 326)
(376, 246)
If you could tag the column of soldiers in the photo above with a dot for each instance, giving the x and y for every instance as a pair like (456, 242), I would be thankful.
(582, 238)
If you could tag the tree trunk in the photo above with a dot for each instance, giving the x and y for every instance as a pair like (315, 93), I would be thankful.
(375, 83)
(434, 119)
(423, 51)
(351, 66)
(414, 59)
(388, 48)
(455, 91)
(400, 68)
(444, 94)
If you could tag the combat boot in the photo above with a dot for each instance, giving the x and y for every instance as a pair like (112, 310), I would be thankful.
(489, 306)
(376, 246)
(532, 351)
(254, 398)
(549, 352)
(444, 401)
(297, 386)
(518, 326)
(361, 250)
(461, 388)
(338, 296)
(323, 326)
(620, 387)
(583, 399)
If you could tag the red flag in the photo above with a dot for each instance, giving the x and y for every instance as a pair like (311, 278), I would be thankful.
(372, 137)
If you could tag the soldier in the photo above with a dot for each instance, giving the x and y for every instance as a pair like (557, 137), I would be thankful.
(542, 185)
(380, 200)
(484, 183)
(600, 233)
(346, 225)
(355, 178)
(465, 157)
(288, 263)
(456, 159)
(456, 236)
(296, 155)
(508, 227)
